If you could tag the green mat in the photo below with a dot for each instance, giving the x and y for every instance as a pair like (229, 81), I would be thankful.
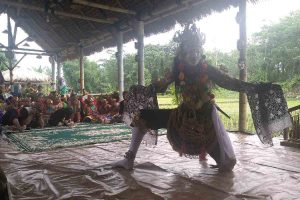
(50, 138)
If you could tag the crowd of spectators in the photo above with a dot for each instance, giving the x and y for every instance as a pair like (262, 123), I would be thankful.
(32, 108)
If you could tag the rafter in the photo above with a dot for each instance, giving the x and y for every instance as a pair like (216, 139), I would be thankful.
(90, 23)
(19, 9)
(49, 30)
(19, 60)
(71, 34)
(158, 15)
(15, 33)
(27, 53)
(23, 49)
(34, 31)
(2, 10)
(60, 13)
(104, 7)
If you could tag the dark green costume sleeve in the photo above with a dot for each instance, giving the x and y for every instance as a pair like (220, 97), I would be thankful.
(266, 100)
(225, 81)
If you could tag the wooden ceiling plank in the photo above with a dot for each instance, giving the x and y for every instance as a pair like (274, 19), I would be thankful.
(90, 23)
(32, 32)
(73, 36)
(35, 26)
(104, 7)
(60, 13)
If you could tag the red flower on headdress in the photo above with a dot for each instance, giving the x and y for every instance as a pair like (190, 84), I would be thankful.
(181, 76)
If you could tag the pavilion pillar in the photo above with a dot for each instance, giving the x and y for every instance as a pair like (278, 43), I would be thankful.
(53, 77)
(242, 43)
(81, 66)
(11, 75)
(10, 55)
(119, 55)
(140, 48)
(58, 72)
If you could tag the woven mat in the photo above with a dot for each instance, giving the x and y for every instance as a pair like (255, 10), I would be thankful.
(37, 140)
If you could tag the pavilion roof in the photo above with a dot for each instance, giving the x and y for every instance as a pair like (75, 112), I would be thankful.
(22, 74)
(93, 24)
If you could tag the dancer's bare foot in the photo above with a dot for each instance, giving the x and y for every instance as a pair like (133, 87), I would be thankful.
(228, 167)
(127, 162)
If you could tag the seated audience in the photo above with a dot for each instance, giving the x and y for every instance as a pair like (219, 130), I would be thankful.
(33, 117)
(60, 117)
(75, 105)
(104, 107)
(27, 117)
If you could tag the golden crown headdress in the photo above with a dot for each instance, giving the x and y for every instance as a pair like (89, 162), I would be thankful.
(189, 37)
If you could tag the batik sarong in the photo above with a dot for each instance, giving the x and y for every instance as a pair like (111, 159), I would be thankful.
(269, 110)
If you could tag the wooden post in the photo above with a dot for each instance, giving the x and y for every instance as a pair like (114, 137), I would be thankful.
(286, 134)
(119, 55)
(10, 55)
(53, 77)
(81, 65)
(58, 61)
(11, 75)
(242, 43)
(140, 47)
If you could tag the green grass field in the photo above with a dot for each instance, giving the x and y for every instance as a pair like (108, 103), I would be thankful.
(230, 106)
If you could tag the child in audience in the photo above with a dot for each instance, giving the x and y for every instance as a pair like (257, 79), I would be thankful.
(75, 105)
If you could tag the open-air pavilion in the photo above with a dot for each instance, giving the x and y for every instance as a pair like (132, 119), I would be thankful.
(73, 29)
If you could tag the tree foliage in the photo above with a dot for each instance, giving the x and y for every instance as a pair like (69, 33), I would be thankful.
(3, 62)
(92, 73)
(274, 52)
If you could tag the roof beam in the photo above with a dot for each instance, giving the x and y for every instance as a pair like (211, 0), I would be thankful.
(2, 10)
(104, 7)
(158, 15)
(27, 53)
(59, 13)
(23, 49)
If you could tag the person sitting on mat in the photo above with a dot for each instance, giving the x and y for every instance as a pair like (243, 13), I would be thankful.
(34, 116)
(20, 120)
(10, 117)
(61, 117)
(119, 117)
(75, 105)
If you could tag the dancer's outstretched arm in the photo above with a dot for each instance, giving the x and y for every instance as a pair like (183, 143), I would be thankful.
(225, 81)
(162, 85)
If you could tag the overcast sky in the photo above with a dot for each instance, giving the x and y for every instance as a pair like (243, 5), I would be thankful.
(220, 29)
